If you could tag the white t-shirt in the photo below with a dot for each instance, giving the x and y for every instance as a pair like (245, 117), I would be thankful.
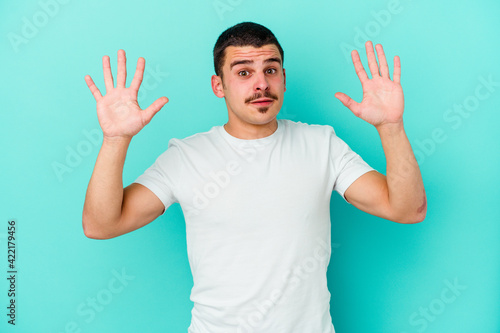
(257, 218)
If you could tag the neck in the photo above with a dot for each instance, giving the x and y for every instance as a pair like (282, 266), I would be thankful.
(249, 131)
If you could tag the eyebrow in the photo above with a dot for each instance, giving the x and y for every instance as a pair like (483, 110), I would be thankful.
(245, 62)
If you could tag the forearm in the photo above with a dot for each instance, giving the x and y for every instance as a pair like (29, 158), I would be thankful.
(103, 201)
(406, 193)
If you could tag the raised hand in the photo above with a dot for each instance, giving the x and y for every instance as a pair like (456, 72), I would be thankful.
(383, 101)
(118, 112)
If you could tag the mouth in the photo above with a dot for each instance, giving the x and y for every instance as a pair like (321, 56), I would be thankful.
(262, 102)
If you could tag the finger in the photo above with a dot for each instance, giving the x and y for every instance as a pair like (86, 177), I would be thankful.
(358, 66)
(108, 77)
(384, 68)
(153, 109)
(397, 69)
(372, 61)
(349, 103)
(139, 72)
(93, 88)
(121, 76)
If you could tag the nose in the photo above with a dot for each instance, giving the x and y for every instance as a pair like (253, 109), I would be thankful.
(261, 82)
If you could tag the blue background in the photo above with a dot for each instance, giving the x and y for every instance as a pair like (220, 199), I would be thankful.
(382, 275)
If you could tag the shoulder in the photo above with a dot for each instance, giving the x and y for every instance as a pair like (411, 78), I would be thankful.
(195, 140)
(179, 149)
(297, 127)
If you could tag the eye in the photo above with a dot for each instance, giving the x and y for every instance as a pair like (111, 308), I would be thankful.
(243, 73)
(271, 71)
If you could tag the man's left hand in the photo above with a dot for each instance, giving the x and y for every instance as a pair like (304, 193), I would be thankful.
(383, 101)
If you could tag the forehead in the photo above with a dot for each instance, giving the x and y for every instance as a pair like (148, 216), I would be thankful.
(251, 53)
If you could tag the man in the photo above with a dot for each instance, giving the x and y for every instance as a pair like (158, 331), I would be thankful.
(255, 192)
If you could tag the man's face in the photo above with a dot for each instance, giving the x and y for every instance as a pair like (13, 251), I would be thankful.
(253, 83)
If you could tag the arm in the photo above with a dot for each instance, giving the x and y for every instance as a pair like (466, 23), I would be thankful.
(109, 209)
(399, 196)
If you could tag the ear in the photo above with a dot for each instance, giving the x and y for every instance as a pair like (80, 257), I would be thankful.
(217, 86)
(284, 79)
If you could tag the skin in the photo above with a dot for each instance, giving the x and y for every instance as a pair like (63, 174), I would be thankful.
(399, 196)
(260, 76)
(111, 210)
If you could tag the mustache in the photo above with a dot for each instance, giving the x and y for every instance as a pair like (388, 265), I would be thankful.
(266, 94)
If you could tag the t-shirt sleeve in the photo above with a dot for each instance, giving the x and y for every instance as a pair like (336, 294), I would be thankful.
(346, 165)
(163, 176)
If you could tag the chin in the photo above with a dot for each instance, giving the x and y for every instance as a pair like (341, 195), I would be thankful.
(264, 117)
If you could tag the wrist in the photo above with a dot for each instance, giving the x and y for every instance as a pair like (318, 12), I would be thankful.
(390, 128)
(116, 140)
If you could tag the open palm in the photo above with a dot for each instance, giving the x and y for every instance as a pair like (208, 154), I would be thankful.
(118, 112)
(383, 100)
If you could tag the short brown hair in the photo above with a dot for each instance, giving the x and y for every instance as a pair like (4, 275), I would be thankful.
(243, 34)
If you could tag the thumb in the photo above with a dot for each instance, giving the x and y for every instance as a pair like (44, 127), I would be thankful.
(151, 110)
(349, 103)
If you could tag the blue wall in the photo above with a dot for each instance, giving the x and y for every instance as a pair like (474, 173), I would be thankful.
(438, 276)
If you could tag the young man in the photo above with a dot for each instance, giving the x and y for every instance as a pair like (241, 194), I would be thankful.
(255, 192)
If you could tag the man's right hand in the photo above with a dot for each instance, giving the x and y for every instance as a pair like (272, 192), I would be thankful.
(109, 209)
(118, 112)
